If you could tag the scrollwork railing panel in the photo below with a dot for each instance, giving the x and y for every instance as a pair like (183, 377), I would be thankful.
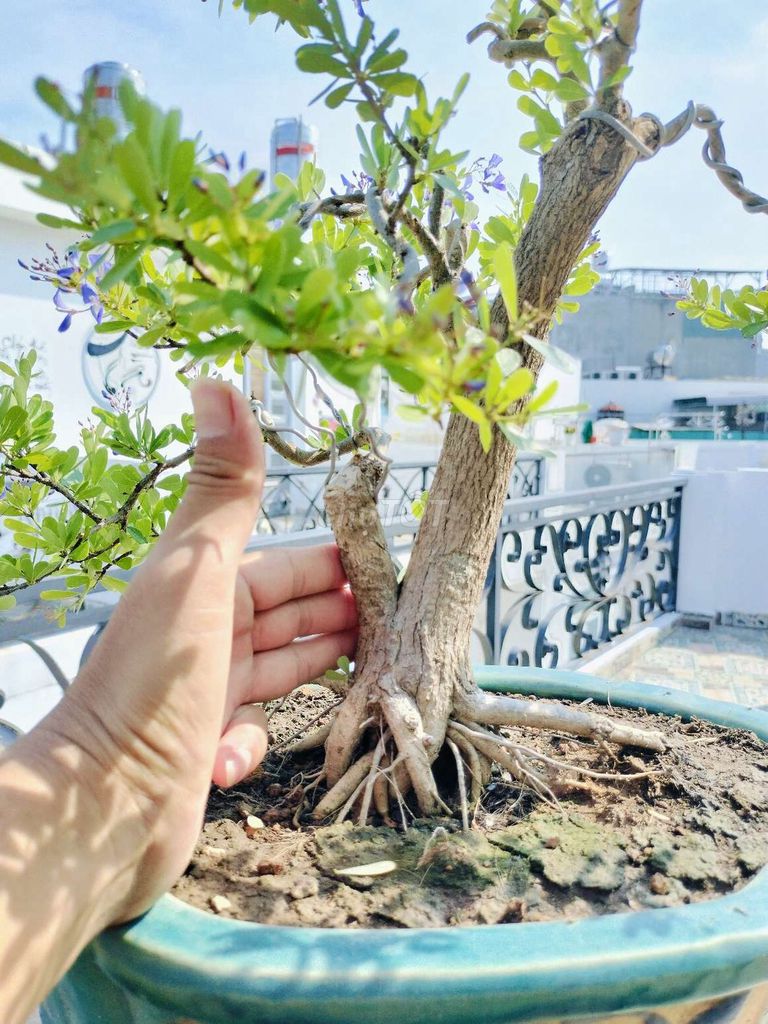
(564, 585)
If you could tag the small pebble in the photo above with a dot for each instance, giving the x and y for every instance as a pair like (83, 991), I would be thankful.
(658, 885)
(252, 825)
(552, 842)
(219, 904)
(269, 867)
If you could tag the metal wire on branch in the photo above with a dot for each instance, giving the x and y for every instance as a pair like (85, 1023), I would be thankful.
(699, 116)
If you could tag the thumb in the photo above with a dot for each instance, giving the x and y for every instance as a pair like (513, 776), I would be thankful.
(224, 485)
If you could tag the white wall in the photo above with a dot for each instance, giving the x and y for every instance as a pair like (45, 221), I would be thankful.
(723, 545)
(644, 400)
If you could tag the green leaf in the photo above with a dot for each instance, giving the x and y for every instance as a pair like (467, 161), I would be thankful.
(517, 81)
(60, 222)
(134, 166)
(397, 83)
(516, 386)
(18, 159)
(386, 61)
(520, 441)
(541, 79)
(111, 232)
(180, 173)
(319, 58)
(469, 409)
(407, 378)
(486, 435)
(751, 330)
(115, 326)
(7, 601)
(336, 97)
(52, 96)
(56, 595)
(543, 397)
(114, 583)
(121, 270)
(570, 91)
(552, 354)
(506, 276)
(383, 46)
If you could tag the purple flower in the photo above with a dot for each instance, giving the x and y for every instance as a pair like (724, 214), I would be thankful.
(359, 182)
(488, 177)
(73, 294)
(121, 399)
(220, 159)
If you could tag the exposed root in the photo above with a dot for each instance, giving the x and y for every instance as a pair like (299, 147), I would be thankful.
(312, 741)
(405, 722)
(472, 763)
(462, 783)
(344, 788)
(373, 774)
(488, 709)
(487, 743)
(345, 733)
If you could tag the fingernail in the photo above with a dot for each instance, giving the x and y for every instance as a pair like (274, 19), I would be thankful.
(213, 409)
(235, 763)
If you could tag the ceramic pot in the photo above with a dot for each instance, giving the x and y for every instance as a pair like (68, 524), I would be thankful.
(705, 963)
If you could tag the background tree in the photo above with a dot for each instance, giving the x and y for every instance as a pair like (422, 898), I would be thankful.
(189, 254)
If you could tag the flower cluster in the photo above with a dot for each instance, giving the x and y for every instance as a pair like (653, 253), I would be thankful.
(358, 182)
(73, 293)
(484, 172)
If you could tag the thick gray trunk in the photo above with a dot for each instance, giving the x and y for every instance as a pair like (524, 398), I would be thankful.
(413, 663)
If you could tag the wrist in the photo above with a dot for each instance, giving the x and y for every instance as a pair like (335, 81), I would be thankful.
(83, 803)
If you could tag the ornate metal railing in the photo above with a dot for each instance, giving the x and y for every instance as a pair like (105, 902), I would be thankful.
(293, 498)
(570, 573)
(573, 572)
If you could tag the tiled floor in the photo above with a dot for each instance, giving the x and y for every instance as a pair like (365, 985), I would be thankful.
(725, 662)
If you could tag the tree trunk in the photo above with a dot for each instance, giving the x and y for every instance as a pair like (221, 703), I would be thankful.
(413, 669)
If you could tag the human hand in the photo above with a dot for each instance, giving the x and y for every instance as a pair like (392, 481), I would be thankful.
(165, 701)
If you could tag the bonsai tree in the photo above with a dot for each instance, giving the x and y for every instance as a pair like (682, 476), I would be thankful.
(187, 253)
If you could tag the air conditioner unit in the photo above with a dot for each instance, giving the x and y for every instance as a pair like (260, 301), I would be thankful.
(598, 474)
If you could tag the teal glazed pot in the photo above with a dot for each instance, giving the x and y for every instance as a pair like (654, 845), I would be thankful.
(705, 963)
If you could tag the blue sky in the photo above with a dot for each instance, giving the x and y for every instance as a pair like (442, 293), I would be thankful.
(232, 80)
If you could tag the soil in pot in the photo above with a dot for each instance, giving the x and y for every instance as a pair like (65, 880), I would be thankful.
(686, 825)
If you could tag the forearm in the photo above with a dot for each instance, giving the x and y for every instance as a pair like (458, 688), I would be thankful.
(65, 861)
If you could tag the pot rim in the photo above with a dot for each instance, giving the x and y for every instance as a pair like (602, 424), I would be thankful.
(606, 964)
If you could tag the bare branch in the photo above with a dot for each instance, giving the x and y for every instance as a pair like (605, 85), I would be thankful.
(714, 157)
(121, 516)
(310, 457)
(32, 475)
(435, 214)
(350, 205)
(438, 264)
(616, 50)
(482, 28)
(511, 51)
(667, 134)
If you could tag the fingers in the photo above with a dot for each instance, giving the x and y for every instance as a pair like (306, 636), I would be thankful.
(225, 483)
(281, 575)
(242, 747)
(279, 671)
(331, 612)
